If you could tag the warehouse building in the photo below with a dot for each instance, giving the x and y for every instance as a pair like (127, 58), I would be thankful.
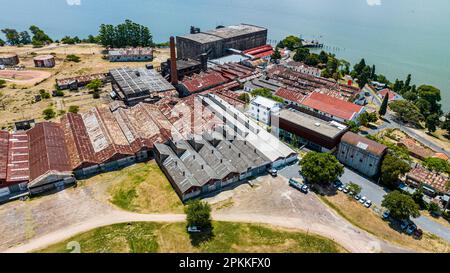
(361, 154)
(73, 83)
(138, 54)
(134, 85)
(216, 43)
(301, 129)
(261, 109)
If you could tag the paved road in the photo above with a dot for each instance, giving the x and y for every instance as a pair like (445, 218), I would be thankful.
(375, 193)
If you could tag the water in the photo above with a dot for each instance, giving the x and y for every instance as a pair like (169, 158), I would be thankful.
(398, 36)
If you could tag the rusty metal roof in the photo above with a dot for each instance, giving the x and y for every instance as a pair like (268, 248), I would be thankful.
(18, 158)
(4, 140)
(364, 143)
(48, 151)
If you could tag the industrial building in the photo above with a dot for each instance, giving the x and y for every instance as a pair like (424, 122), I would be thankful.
(361, 154)
(433, 183)
(301, 129)
(216, 43)
(45, 61)
(9, 59)
(261, 109)
(290, 97)
(134, 85)
(331, 107)
(73, 83)
(138, 54)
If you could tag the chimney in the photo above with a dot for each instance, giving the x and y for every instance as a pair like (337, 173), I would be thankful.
(204, 61)
(173, 62)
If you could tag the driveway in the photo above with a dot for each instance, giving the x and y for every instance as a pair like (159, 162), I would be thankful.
(375, 193)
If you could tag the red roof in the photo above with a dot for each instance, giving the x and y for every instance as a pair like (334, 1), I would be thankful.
(332, 106)
(203, 81)
(392, 94)
(290, 95)
(260, 52)
(48, 151)
(18, 158)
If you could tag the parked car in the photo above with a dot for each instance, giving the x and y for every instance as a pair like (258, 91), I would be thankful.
(363, 200)
(340, 188)
(418, 234)
(386, 214)
(368, 204)
(404, 224)
(304, 189)
(273, 172)
(357, 197)
(193, 229)
(346, 190)
(410, 229)
(337, 184)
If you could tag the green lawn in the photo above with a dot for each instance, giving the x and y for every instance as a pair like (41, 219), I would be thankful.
(144, 188)
(227, 237)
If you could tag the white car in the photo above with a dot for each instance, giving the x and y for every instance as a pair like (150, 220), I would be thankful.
(346, 190)
(363, 200)
(368, 204)
(341, 188)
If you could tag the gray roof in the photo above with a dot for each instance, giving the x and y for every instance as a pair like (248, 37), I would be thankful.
(139, 80)
(328, 129)
(223, 33)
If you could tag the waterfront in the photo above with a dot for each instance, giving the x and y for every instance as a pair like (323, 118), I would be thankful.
(400, 37)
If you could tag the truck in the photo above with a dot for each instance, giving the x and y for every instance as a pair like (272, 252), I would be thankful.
(298, 185)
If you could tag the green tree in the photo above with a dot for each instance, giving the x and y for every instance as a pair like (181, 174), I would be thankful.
(312, 59)
(434, 209)
(290, 42)
(245, 97)
(2, 83)
(417, 196)
(74, 109)
(301, 54)
(392, 168)
(373, 75)
(264, 92)
(382, 79)
(355, 188)
(407, 112)
(276, 56)
(321, 168)
(363, 77)
(44, 94)
(437, 164)
(353, 126)
(198, 214)
(48, 113)
(446, 124)
(400, 206)
(39, 36)
(433, 96)
(2, 43)
(12, 36)
(432, 122)
(384, 105)
(124, 35)
(25, 38)
(323, 57)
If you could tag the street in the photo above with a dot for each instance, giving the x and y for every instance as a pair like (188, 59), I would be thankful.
(375, 193)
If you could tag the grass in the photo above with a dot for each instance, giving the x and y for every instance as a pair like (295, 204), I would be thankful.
(143, 188)
(228, 237)
(368, 220)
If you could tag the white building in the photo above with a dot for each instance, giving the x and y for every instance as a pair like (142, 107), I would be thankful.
(261, 109)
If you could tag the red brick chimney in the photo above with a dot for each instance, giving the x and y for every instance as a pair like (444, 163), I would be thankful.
(173, 62)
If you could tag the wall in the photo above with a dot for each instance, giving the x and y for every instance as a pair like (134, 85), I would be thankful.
(358, 159)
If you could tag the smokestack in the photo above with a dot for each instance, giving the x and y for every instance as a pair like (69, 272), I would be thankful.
(173, 62)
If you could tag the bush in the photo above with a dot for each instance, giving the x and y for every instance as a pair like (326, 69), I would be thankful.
(354, 188)
(48, 113)
(434, 209)
(198, 214)
(73, 58)
(2, 83)
(44, 94)
(58, 93)
(74, 109)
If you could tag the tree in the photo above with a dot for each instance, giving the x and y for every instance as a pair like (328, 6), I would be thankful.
(198, 214)
(2, 83)
(417, 196)
(301, 54)
(74, 109)
(245, 97)
(39, 37)
(363, 77)
(437, 164)
(432, 122)
(25, 38)
(434, 209)
(392, 168)
(424, 107)
(353, 126)
(358, 68)
(407, 112)
(44, 94)
(407, 83)
(373, 76)
(433, 96)
(48, 113)
(12, 36)
(400, 206)
(2, 43)
(312, 59)
(124, 35)
(384, 105)
(321, 168)
(323, 57)
(446, 124)
(355, 188)
(276, 56)
(290, 42)
(264, 92)
(366, 118)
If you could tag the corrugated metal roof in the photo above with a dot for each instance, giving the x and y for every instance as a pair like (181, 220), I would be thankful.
(18, 158)
(331, 105)
(364, 143)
